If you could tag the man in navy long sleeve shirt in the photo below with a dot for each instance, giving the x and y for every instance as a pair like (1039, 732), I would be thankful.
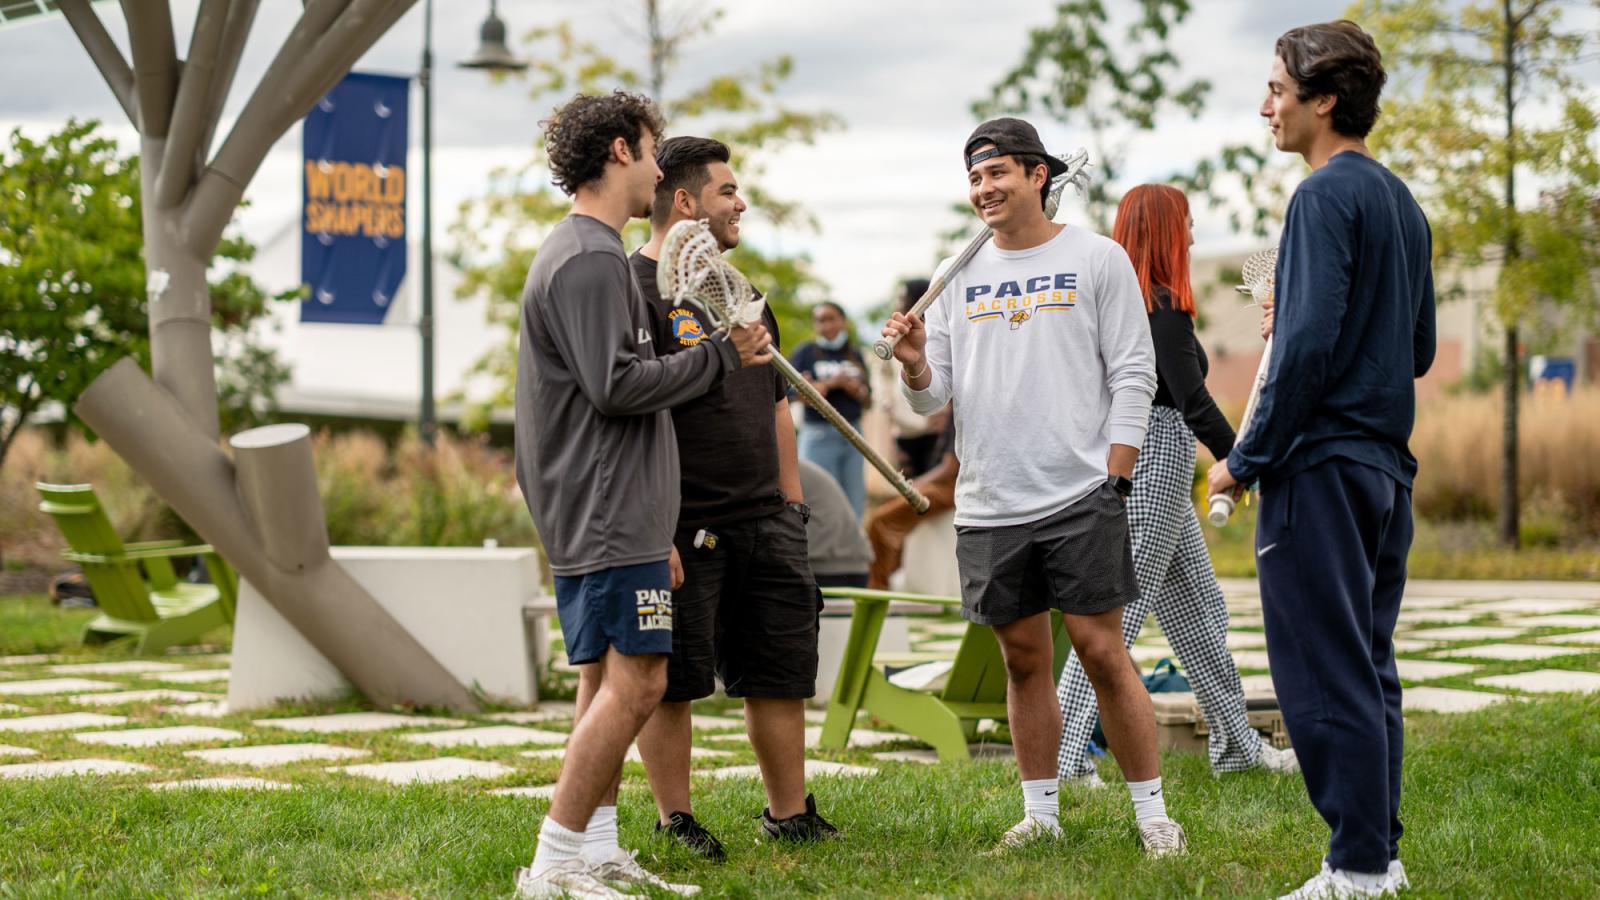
(1328, 444)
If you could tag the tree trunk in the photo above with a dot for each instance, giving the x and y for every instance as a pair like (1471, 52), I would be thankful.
(658, 48)
(1510, 530)
(1509, 496)
(179, 305)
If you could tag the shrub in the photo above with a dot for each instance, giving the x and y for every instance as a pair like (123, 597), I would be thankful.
(29, 536)
(461, 494)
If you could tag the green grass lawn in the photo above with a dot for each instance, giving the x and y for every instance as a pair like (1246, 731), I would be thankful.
(29, 624)
(1501, 802)
(1498, 803)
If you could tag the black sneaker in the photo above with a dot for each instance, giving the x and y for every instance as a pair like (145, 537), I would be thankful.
(800, 828)
(684, 829)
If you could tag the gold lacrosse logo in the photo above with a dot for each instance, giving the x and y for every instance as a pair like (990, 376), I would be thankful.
(1018, 317)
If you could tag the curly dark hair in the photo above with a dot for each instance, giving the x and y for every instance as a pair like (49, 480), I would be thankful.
(578, 136)
(1339, 60)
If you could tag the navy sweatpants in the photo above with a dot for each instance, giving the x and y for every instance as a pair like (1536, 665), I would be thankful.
(1331, 548)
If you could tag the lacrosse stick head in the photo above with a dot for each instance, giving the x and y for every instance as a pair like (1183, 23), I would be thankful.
(1077, 175)
(692, 270)
(1259, 275)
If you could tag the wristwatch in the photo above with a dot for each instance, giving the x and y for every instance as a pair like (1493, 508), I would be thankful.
(803, 510)
(1122, 485)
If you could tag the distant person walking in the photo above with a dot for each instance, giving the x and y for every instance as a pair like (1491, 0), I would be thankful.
(835, 367)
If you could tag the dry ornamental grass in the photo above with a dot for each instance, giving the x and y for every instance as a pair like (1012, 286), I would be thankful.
(461, 494)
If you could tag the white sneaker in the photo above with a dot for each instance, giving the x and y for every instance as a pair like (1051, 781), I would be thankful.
(624, 868)
(1023, 833)
(1333, 884)
(1397, 877)
(1162, 837)
(1090, 780)
(1282, 762)
(572, 878)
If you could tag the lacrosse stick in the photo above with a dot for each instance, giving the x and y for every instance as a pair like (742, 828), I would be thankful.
(1076, 175)
(692, 269)
(1259, 277)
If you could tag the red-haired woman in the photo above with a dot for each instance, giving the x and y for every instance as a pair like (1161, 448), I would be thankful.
(1174, 571)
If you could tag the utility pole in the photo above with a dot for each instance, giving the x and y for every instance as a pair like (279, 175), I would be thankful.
(426, 425)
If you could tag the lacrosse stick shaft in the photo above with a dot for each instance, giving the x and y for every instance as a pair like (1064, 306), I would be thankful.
(1255, 388)
(1222, 504)
(821, 405)
(884, 347)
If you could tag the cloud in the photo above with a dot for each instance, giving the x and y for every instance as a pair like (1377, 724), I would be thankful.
(901, 73)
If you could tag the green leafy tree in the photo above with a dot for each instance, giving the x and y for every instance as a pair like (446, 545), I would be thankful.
(72, 282)
(498, 234)
(1484, 97)
(1079, 70)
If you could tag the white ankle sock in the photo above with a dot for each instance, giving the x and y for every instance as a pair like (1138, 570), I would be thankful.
(600, 838)
(1041, 799)
(1148, 801)
(556, 845)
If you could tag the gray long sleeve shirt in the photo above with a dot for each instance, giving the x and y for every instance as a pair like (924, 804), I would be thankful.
(597, 459)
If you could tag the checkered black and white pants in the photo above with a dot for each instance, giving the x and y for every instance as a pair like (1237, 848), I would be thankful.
(1177, 582)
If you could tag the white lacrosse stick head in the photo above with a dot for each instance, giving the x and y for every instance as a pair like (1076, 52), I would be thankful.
(692, 270)
(1077, 175)
(1259, 275)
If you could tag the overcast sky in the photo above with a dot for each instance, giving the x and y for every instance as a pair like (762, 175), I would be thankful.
(900, 73)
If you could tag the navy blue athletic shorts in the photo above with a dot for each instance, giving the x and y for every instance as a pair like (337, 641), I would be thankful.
(627, 607)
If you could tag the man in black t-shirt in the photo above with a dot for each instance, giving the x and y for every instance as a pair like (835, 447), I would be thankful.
(747, 609)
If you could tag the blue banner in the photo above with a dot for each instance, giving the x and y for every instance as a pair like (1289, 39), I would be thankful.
(353, 227)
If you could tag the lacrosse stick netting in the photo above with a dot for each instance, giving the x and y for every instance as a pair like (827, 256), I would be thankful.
(693, 270)
(1259, 275)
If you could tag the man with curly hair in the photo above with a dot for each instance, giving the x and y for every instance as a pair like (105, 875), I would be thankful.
(597, 460)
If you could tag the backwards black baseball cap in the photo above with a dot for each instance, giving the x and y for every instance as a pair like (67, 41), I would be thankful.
(1010, 137)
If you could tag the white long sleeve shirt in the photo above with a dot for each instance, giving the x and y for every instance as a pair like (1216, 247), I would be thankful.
(1047, 355)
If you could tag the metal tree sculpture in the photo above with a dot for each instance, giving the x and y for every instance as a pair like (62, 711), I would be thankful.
(261, 509)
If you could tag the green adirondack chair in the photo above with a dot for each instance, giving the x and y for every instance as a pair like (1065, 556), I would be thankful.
(155, 609)
(947, 718)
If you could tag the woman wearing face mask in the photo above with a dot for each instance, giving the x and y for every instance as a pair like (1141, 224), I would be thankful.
(835, 367)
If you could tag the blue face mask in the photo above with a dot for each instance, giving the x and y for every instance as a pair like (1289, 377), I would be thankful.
(837, 342)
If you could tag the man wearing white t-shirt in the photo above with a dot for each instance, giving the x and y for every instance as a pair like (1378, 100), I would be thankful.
(1043, 343)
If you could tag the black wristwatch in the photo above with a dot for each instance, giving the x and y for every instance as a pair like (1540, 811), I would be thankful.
(803, 510)
(1121, 485)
